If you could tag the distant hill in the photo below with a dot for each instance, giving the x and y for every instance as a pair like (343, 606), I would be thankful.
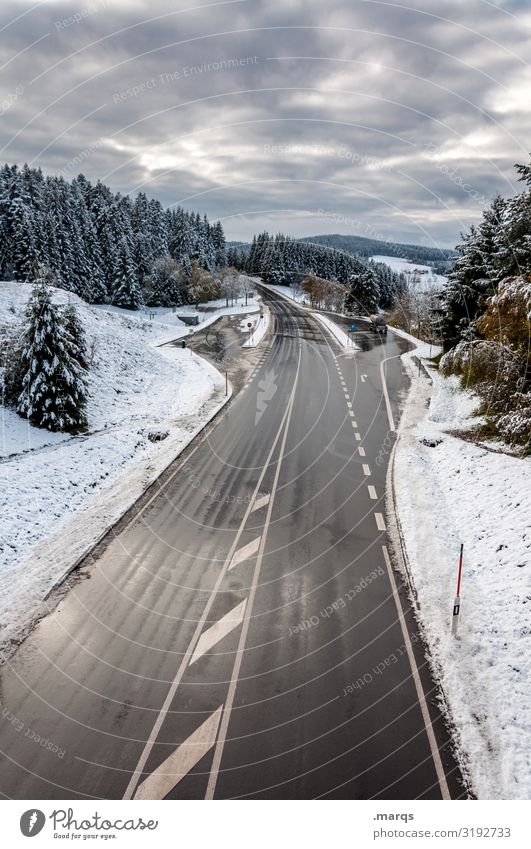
(376, 247)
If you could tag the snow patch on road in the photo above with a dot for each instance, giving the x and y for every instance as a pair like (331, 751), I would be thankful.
(458, 492)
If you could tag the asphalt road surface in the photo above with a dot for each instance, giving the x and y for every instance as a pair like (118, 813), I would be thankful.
(245, 635)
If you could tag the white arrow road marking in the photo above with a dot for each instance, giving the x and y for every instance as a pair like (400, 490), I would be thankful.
(245, 552)
(218, 630)
(366, 469)
(380, 521)
(260, 502)
(372, 493)
(363, 378)
(181, 761)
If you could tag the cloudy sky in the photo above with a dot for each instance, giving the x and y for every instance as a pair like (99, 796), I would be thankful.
(394, 121)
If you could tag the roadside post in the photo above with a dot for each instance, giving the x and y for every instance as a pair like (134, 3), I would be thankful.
(353, 327)
(250, 324)
(190, 334)
(226, 383)
(457, 601)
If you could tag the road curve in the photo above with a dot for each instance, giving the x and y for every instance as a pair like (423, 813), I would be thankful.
(245, 636)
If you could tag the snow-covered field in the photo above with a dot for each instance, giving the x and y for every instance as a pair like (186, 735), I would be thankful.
(59, 493)
(428, 279)
(458, 492)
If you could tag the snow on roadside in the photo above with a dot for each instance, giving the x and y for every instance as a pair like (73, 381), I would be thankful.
(60, 493)
(459, 492)
(258, 330)
(337, 332)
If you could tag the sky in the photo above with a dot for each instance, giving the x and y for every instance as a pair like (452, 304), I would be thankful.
(364, 117)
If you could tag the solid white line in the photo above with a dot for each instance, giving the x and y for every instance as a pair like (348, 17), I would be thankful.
(366, 469)
(372, 493)
(218, 754)
(361, 451)
(445, 793)
(380, 521)
(358, 437)
(218, 631)
(260, 502)
(245, 552)
(150, 742)
(386, 396)
(182, 760)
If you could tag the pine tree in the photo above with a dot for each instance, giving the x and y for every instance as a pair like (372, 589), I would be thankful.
(53, 386)
(75, 335)
(126, 292)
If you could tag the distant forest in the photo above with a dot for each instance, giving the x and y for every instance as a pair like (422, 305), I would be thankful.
(440, 258)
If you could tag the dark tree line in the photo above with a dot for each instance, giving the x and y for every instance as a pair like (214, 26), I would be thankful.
(102, 246)
(282, 260)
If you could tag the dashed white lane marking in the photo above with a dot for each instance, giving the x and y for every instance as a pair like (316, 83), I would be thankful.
(354, 424)
(260, 502)
(218, 630)
(349, 404)
(351, 413)
(361, 451)
(366, 469)
(245, 552)
(182, 760)
(358, 437)
(379, 521)
(372, 493)
(439, 769)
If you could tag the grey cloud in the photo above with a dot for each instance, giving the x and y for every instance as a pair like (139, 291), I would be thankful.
(379, 83)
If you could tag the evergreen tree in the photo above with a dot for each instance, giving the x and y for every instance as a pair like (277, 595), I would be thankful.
(53, 392)
(126, 292)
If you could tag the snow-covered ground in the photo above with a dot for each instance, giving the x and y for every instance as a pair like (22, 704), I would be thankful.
(428, 279)
(59, 493)
(337, 332)
(458, 492)
(258, 330)
(289, 292)
(161, 324)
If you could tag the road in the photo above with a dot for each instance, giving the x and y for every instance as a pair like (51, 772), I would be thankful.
(244, 636)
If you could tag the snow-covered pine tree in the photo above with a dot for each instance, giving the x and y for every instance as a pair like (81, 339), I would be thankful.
(363, 294)
(53, 392)
(75, 335)
(126, 291)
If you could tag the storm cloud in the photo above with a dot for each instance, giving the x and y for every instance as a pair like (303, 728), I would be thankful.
(353, 116)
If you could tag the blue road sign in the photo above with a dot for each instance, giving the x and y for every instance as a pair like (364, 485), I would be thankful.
(353, 326)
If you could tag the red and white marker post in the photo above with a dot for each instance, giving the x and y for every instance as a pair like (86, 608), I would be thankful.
(457, 601)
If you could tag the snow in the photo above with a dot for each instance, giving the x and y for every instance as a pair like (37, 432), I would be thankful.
(60, 493)
(259, 328)
(166, 326)
(337, 332)
(428, 278)
(459, 492)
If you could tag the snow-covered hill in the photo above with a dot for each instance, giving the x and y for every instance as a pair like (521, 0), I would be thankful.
(47, 480)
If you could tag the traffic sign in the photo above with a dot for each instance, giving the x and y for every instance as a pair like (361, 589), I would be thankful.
(353, 326)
